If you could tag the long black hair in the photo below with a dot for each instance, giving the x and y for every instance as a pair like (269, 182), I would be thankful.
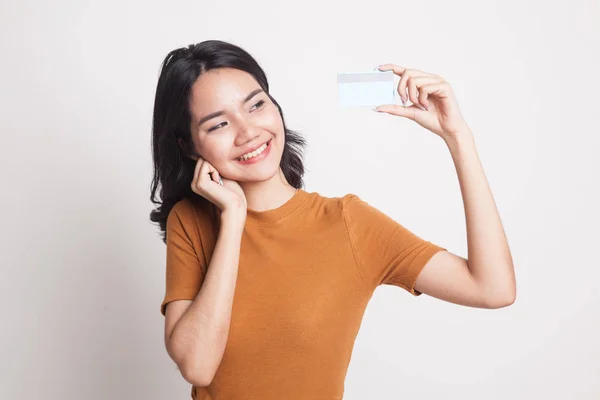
(173, 169)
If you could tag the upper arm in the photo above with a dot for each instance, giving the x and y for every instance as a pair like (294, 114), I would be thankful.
(447, 277)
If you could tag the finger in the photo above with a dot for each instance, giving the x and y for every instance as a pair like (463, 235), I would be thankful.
(412, 93)
(405, 84)
(437, 89)
(405, 74)
(206, 172)
(397, 69)
(216, 177)
(401, 111)
(423, 95)
(414, 88)
(404, 88)
(400, 71)
(203, 180)
(197, 169)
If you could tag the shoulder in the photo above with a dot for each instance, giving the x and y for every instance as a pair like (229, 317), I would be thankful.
(331, 200)
(190, 213)
(330, 203)
(351, 202)
(183, 211)
(356, 208)
(333, 207)
(188, 208)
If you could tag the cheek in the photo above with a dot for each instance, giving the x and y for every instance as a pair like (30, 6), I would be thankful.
(279, 128)
(215, 150)
(273, 121)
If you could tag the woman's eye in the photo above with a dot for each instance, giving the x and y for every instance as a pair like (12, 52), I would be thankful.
(216, 127)
(258, 105)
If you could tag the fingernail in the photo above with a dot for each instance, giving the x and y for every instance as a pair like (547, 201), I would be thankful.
(376, 109)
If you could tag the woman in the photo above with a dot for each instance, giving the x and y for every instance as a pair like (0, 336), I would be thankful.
(266, 284)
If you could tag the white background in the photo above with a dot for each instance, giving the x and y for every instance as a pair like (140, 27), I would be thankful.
(82, 267)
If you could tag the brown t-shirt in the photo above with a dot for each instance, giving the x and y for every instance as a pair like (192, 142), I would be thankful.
(306, 273)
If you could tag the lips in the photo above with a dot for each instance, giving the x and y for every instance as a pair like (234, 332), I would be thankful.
(254, 148)
(264, 154)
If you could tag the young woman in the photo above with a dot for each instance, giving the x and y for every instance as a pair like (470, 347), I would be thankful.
(266, 284)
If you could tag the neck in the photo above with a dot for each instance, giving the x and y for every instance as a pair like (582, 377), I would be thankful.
(269, 194)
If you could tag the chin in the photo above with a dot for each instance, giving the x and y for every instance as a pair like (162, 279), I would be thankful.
(258, 175)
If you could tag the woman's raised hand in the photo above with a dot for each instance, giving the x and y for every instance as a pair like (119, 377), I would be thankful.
(229, 196)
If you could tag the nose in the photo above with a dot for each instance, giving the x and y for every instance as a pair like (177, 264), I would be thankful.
(246, 132)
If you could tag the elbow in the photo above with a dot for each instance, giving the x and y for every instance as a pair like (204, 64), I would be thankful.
(501, 302)
(198, 377)
(499, 295)
(193, 370)
(196, 369)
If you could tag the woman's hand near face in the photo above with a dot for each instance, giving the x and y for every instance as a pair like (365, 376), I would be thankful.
(229, 197)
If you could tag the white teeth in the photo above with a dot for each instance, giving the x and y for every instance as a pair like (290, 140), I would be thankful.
(253, 153)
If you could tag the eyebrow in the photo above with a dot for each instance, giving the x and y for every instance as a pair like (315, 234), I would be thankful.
(218, 113)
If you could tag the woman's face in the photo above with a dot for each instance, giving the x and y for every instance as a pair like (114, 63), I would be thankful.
(244, 124)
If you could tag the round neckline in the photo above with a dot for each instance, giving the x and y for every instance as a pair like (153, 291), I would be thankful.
(276, 214)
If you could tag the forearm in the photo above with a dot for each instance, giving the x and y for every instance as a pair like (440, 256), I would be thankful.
(489, 257)
(200, 336)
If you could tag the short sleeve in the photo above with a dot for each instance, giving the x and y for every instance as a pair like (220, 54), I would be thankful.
(385, 251)
(185, 266)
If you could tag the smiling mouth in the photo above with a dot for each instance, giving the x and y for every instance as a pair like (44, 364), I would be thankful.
(256, 153)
